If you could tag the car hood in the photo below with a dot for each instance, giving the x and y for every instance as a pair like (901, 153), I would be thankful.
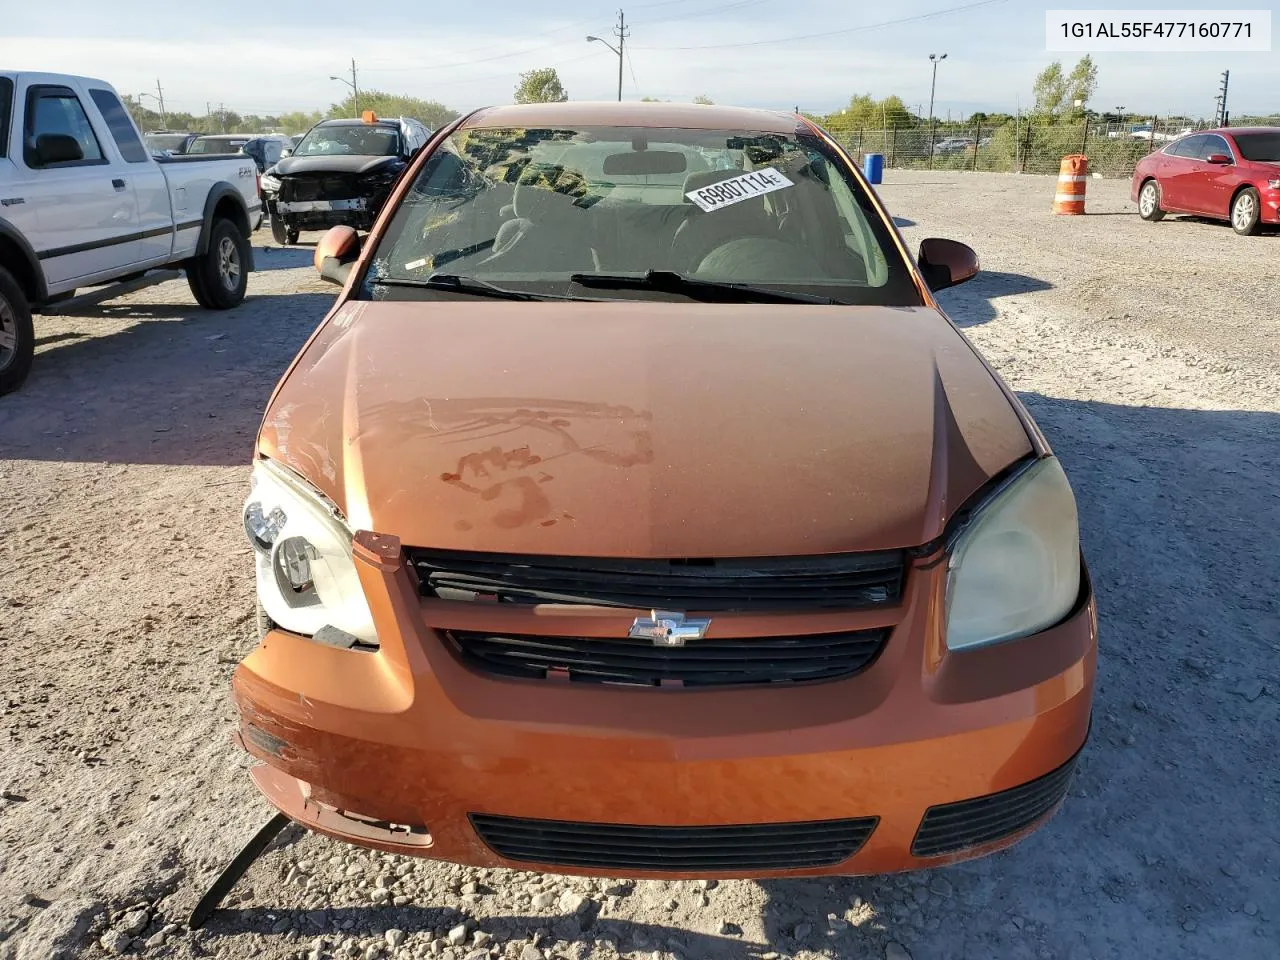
(643, 429)
(337, 164)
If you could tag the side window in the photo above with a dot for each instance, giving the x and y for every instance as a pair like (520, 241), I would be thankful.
(121, 127)
(1187, 147)
(271, 152)
(6, 111)
(58, 111)
(1214, 144)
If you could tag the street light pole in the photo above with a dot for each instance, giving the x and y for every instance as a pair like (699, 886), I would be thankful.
(621, 31)
(935, 59)
(355, 90)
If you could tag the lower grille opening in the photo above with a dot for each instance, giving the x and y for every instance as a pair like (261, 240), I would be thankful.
(764, 846)
(699, 663)
(951, 827)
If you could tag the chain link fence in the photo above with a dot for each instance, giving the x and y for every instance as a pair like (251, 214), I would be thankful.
(1019, 147)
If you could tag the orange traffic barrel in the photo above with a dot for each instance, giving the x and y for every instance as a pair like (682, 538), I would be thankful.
(1072, 176)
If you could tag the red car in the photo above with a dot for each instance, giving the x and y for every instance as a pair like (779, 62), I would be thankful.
(1225, 174)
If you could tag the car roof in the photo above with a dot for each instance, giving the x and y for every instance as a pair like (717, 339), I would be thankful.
(357, 122)
(1235, 130)
(635, 114)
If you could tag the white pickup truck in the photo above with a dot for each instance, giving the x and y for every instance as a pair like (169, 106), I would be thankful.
(84, 203)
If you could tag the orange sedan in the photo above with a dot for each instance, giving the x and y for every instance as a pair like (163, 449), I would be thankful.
(637, 511)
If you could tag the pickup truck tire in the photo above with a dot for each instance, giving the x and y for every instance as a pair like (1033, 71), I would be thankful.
(218, 276)
(17, 334)
(278, 232)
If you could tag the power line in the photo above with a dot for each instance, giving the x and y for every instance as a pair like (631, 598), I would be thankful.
(837, 33)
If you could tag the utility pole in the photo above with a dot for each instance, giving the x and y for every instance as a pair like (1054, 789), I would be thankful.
(935, 59)
(1223, 117)
(355, 89)
(621, 32)
(222, 117)
(160, 96)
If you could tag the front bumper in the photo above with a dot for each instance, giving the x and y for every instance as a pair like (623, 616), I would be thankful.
(402, 748)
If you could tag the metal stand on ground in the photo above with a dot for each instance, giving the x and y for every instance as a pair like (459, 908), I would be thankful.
(235, 870)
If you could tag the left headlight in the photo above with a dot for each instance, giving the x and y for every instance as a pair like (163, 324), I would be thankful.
(270, 183)
(306, 575)
(1015, 569)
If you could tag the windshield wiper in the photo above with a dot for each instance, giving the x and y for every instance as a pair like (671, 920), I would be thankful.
(723, 291)
(460, 284)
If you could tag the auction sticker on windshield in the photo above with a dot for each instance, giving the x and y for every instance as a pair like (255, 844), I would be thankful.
(736, 189)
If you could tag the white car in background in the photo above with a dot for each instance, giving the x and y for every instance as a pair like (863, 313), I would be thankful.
(83, 202)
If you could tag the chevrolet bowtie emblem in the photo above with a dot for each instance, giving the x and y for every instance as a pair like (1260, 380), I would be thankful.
(667, 629)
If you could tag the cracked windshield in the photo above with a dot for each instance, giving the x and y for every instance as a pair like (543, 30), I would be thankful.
(550, 212)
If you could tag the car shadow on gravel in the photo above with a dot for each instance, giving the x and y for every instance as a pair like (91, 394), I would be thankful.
(585, 927)
(182, 386)
(281, 258)
(970, 304)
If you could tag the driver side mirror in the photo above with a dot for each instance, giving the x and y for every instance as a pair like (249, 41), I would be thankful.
(286, 152)
(945, 263)
(1219, 158)
(336, 253)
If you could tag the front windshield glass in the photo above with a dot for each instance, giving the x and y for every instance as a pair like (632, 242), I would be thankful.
(1259, 147)
(526, 209)
(362, 140)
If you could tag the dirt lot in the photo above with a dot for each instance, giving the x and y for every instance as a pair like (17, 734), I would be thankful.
(1150, 355)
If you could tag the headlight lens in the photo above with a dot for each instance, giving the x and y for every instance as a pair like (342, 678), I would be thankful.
(270, 183)
(1274, 183)
(306, 576)
(1015, 569)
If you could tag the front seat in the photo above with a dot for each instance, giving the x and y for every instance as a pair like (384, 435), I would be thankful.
(703, 232)
(548, 232)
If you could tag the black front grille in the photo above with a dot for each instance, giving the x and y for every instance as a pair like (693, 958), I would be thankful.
(950, 827)
(611, 846)
(317, 187)
(840, 581)
(702, 663)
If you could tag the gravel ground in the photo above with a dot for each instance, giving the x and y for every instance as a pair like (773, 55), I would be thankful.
(1147, 353)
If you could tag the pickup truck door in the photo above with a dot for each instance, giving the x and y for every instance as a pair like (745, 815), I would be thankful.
(86, 212)
(150, 188)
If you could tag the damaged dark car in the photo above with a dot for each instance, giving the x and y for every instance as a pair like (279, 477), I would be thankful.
(340, 174)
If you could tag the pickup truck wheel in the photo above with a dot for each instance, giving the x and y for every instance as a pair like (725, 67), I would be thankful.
(17, 334)
(278, 231)
(220, 273)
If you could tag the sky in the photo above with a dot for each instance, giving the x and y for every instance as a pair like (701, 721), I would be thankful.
(279, 56)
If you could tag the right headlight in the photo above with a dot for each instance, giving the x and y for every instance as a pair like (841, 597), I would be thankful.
(307, 578)
(270, 183)
(1015, 568)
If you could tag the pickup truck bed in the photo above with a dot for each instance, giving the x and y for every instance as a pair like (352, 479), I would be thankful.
(83, 202)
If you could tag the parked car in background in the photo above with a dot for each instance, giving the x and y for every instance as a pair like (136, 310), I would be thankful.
(83, 202)
(267, 149)
(953, 145)
(1229, 174)
(634, 517)
(340, 173)
(218, 143)
(168, 142)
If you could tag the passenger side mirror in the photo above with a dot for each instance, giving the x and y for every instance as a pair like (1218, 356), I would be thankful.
(57, 148)
(286, 152)
(336, 253)
(1219, 158)
(945, 263)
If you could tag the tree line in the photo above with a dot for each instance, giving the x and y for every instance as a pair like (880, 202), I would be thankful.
(219, 120)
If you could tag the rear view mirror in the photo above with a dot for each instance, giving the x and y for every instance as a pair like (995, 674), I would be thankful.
(336, 253)
(945, 263)
(1219, 158)
(57, 148)
(645, 162)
